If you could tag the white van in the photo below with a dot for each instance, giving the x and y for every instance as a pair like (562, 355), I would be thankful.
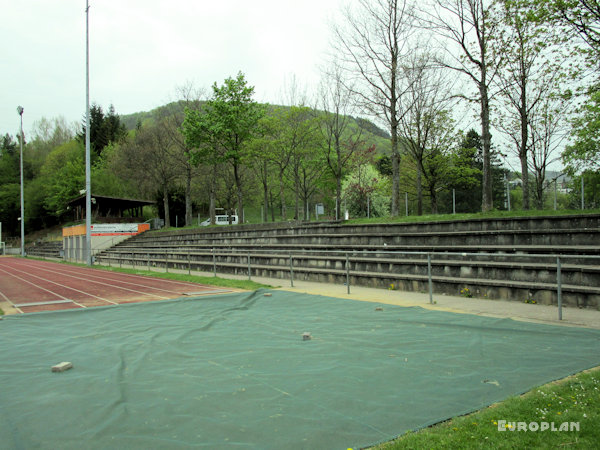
(221, 220)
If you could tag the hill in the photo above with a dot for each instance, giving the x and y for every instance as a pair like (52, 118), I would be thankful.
(374, 134)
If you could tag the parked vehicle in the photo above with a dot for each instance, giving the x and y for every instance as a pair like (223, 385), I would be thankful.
(221, 220)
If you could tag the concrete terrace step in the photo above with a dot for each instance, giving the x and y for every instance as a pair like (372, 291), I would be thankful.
(291, 248)
(508, 258)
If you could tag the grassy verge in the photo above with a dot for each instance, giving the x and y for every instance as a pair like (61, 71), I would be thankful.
(213, 281)
(487, 215)
(575, 399)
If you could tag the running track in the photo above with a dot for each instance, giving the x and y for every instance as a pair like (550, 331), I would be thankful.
(60, 286)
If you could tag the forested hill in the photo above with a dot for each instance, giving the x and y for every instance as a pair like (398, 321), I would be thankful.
(131, 121)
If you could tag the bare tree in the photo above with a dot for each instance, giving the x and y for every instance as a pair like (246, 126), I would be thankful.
(372, 42)
(464, 25)
(339, 138)
(425, 105)
(172, 118)
(549, 128)
(148, 159)
(532, 70)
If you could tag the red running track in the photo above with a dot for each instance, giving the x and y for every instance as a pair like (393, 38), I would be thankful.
(58, 286)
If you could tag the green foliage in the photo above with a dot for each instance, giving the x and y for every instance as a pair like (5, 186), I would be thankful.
(104, 128)
(212, 281)
(229, 119)
(9, 161)
(222, 131)
(366, 191)
(64, 176)
(10, 207)
(584, 154)
(575, 399)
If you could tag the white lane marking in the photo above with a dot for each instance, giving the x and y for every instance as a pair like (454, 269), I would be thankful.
(39, 287)
(88, 276)
(91, 281)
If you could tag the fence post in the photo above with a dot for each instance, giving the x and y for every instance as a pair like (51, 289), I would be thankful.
(291, 271)
(348, 272)
(249, 269)
(559, 287)
(453, 201)
(429, 278)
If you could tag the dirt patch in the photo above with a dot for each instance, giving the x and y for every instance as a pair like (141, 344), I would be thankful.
(7, 308)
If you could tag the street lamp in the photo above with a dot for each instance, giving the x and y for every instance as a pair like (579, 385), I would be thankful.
(20, 111)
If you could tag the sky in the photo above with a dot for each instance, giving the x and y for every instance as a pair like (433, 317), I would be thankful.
(141, 51)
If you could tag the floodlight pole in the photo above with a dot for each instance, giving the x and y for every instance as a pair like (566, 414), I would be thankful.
(88, 193)
(20, 111)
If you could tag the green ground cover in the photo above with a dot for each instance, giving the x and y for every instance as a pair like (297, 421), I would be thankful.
(575, 399)
(213, 281)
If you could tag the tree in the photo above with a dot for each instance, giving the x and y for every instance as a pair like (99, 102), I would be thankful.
(372, 45)
(548, 130)
(465, 25)
(426, 126)
(582, 17)
(147, 158)
(104, 128)
(584, 153)
(64, 175)
(532, 73)
(365, 189)
(339, 136)
(229, 121)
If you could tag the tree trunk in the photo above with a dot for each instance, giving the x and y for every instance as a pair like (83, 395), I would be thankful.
(525, 179)
(166, 207)
(338, 179)
(419, 189)
(524, 138)
(265, 217)
(486, 138)
(338, 196)
(282, 197)
(395, 153)
(188, 197)
(434, 202)
(212, 210)
(297, 199)
(240, 197)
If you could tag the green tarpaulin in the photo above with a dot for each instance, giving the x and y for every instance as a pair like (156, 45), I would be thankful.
(236, 371)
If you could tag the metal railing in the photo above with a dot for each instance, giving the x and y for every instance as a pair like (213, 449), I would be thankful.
(181, 257)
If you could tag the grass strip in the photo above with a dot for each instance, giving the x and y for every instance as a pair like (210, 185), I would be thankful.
(572, 400)
(248, 285)
(469, 216)
(212, 281)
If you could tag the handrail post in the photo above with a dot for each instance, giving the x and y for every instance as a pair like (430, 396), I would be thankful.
(559, 287)
(429, 278)
(249, 269)
(214, 262)
(348, 272)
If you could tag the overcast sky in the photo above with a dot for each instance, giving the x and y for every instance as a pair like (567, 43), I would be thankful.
(142, 50)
